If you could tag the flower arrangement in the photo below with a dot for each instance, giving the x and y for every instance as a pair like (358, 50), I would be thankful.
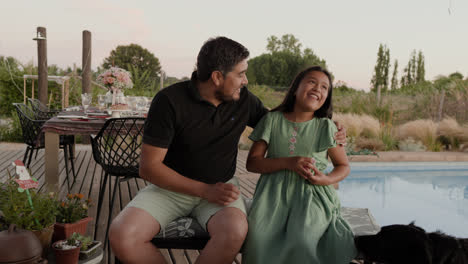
(115, 79)
(73, 208)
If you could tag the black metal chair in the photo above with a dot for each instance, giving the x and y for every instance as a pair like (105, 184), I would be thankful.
(117, 149)
(33, 137)
(41, 110)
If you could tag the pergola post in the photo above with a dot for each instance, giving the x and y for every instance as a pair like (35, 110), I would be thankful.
(86, 62)
(42, 65)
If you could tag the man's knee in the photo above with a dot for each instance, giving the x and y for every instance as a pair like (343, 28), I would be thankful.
(229, 225)
(121, 236)
(131, 228)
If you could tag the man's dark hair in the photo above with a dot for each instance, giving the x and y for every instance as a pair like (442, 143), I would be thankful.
(219, 54)
(290, 99)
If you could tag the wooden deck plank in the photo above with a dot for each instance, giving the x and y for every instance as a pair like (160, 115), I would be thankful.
(7, 158)
(191, 255)
(178, 256)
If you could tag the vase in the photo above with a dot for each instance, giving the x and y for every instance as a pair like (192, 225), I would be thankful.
(66, 256)
(116, 93)
(45, 237)
(65, 230)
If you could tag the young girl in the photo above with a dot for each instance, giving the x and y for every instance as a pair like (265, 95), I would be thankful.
(295, 215)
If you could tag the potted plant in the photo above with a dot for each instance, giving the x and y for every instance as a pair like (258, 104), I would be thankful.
(72, 216)
(29, 210)
(67, 251)
(88, 246)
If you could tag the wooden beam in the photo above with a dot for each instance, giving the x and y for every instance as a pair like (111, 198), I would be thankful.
(24, 90)
(67, 92)
(42, 65)
(63, 95)
(86, 62)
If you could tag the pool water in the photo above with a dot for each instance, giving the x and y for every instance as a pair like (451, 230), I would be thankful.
(433, 194)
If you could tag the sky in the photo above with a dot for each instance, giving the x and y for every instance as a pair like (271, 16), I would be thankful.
(346, 33)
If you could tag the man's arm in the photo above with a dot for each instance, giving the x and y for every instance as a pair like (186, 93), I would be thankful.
(155, 171)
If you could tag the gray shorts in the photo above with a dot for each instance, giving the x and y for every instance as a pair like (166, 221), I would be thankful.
(166, 206)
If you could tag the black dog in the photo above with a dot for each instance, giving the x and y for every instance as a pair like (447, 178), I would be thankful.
(411, 244)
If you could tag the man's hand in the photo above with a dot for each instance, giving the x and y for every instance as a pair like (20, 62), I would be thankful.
(340, 136)
(301, 165)
(221, 193)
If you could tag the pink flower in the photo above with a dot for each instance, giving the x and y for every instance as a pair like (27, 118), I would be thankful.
(292, 140)
(291, 152)
(294, 133)
(292, 147)
(110, 80)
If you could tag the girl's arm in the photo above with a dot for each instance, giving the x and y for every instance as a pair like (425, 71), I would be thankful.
(340, 168)
(256, 162)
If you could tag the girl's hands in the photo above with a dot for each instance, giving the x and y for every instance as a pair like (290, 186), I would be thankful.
(305, 167)
(302, 166)
(318, 177)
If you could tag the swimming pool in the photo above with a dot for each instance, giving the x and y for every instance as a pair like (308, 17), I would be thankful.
(433, 194)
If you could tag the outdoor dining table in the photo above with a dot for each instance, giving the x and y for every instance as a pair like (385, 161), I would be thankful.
(57, 126)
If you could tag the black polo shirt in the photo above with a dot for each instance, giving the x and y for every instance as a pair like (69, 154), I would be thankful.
(201, 138)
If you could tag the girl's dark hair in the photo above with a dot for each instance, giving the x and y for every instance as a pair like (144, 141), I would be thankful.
(219, 54)
(290, 99)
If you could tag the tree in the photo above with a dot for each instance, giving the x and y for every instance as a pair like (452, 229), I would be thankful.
(287, 43)
(134, 56)
(456, 76)
(142, 80)
(420, 68)
(415, 71)
(11, 84)
(394, 84)
(284, 60)
(380, 78)
(414, 66)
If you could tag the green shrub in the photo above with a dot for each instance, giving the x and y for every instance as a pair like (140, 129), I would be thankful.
(17, 210)
(12, 131)
(410, 144)
(389, 141)
(268, 96)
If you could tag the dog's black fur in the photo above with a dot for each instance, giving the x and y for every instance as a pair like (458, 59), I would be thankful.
(411, 244)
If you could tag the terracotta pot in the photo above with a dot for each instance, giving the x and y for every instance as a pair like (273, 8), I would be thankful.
(66, 256)
(64, 231)
(20, 246)
(45, 237)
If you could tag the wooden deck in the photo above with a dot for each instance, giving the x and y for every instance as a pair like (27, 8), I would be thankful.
(88, 181)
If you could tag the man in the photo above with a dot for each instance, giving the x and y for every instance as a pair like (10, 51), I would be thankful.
(189, 155)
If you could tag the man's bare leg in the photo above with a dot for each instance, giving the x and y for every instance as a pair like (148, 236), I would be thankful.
(228, 229)
(130, 237)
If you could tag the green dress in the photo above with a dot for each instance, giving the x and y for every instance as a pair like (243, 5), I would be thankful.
(291, 220)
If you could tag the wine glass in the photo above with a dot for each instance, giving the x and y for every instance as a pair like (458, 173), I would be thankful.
(102, 101)
(141, 104)
(86, 101)
(131, 101)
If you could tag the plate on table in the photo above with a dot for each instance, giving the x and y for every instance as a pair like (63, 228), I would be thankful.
(98, 114)
(70, 116)
(77, 117)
